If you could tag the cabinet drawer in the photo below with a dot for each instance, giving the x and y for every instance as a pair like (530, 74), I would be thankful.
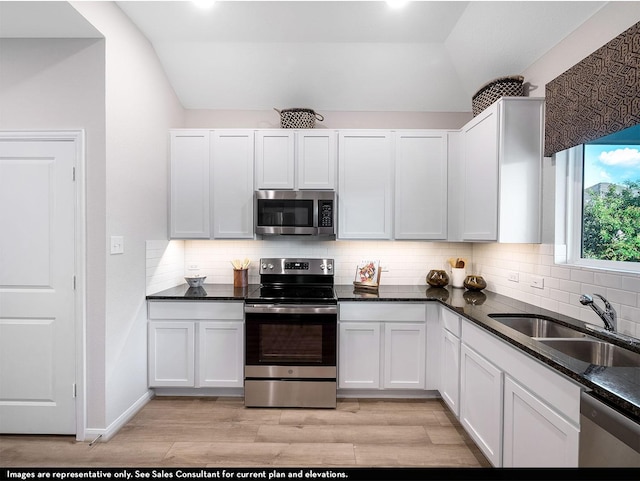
(195, 310)
(451, 322)
(382, 311)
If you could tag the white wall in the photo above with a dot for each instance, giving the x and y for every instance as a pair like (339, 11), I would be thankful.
(141, 108)
(53, 84)
(267, 119)
(564, 284)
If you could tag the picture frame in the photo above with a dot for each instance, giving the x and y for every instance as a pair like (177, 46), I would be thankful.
(367, 275)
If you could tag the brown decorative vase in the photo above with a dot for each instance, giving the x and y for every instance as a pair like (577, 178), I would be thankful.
(437, 278)
(474, 283)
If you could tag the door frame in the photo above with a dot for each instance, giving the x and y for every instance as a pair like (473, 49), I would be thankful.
(77, 136)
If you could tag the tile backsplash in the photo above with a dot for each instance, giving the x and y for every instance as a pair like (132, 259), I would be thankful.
(562, 285)
(401, 262)
(509, 269)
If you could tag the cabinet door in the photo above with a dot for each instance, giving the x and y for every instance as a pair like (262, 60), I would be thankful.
(220, 356)
(189, 189)
(421, 185)
(480, 160)
(317, 154)
(365, 162)
(481, 403)
(171, 353)
(534, 434)
(232, 183)
(404, 355)
(359, 355)
(274, 156)
(450, 371)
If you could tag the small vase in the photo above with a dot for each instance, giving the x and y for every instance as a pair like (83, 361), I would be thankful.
(475, 283)
(437, 278)
(457, 276)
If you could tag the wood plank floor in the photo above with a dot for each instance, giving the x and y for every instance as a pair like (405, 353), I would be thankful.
(221, 432)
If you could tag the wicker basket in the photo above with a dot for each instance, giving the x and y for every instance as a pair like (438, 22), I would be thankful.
(501, 87)
(298, 118)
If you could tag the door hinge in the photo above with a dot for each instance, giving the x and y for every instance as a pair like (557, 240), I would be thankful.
(74, 283)
(74, 174)
(75, 390)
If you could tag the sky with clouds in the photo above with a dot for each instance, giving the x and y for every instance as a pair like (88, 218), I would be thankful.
(611, 163)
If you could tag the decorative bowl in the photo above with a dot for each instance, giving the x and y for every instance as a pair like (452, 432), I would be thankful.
(437, 278)
(195, 281)
(474, 283)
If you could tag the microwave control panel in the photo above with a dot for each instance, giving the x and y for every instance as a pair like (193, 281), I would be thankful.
(325, 208)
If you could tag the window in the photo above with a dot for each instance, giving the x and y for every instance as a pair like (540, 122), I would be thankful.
(600, 203)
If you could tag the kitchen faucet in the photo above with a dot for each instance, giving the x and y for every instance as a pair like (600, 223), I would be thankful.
(608, 316)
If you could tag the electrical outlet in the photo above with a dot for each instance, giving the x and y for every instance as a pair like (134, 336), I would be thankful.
(514, 277)
(537, 282)
(193, 267)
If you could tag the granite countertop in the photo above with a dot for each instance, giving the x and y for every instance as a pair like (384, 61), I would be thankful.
(620, 386)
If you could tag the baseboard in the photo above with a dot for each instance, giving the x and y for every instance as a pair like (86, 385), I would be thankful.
(102, 435)
(387, 394)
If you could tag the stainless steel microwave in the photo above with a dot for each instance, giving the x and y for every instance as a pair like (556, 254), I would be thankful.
(295, 212)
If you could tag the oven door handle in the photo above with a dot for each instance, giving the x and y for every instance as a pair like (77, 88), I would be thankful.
(289, 309)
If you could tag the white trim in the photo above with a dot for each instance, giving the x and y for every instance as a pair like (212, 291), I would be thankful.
(568, 224)
(78, 137)
(107, 433)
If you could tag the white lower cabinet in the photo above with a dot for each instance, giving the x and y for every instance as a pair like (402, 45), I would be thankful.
(382, 346)
(481, 403)
(171, 353)
(404, 354)
(359, 352)
(534, 433)
(196, 344)
(450, 371)
(219, 362)
(520, 412)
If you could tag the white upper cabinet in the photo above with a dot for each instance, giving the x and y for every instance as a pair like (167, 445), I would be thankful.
(296, 159)
(275, 159)
(317, 156)
(501, 172)
(232, 183)
(421, 185)
(189, 190)
(365, 193)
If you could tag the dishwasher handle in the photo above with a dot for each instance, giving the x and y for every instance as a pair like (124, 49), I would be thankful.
(617, 424)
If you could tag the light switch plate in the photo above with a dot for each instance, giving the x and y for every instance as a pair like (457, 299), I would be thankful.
(117, 244)
(514, 277)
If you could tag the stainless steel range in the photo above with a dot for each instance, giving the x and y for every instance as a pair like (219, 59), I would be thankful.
(291, 335)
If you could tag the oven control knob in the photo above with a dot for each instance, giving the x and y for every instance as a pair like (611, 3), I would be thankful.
(330, 266)
(323, 267)
(271, 266)
(264, 266)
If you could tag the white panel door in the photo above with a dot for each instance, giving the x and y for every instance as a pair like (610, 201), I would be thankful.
(365, 163)
(481, 403)
(171, 353)
(404, 355)
(220, 356)
(359, 355)
(480, 192)
(450, 370)
(189, 192)
(275, 159)
(317, 155)
(37, 296)
(232, 183)
(535, 435)
(421, 185)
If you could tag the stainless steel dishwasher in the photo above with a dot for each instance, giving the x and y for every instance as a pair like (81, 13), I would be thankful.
(608, 438)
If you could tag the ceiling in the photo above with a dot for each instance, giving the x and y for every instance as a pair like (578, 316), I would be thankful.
(429, 56)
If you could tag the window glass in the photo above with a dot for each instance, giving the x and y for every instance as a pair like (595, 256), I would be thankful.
(611, 201)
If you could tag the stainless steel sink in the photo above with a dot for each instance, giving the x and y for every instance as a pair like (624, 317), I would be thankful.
(536, 326)
(593, 351)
